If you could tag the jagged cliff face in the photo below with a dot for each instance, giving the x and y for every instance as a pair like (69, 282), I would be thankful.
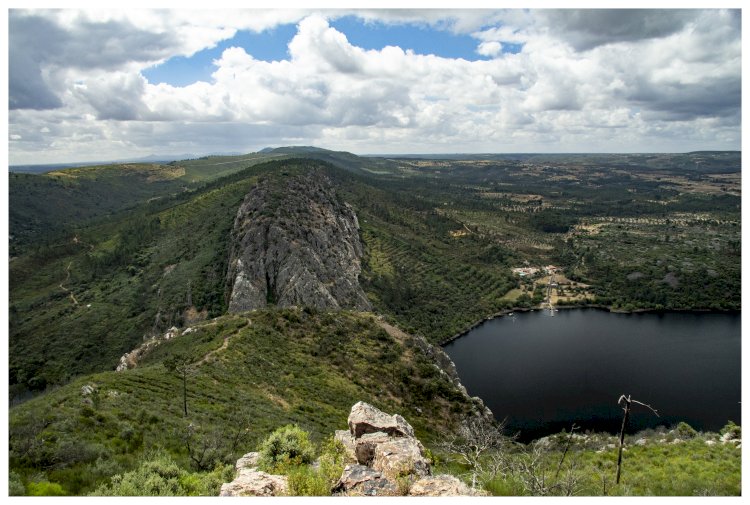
(294, 243)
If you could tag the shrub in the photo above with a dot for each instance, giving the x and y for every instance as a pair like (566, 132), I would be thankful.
(15, 485)
(332, 461)
(45, 488)
(159, 475)
(684, 430)
(288, 445)
(734, 430)
(305, 481)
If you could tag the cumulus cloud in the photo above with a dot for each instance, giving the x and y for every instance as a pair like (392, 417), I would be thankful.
(583, 80)
(491, 48)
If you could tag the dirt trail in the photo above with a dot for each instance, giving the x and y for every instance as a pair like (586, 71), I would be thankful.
(223, 346)
(75, 240)
(67, 278)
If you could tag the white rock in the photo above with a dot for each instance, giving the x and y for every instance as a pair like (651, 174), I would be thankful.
(254, 483)
(364, 418)
(401, 456)
(249, 460)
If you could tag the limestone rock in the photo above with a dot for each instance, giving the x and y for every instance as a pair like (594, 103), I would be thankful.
(295, 243)
(361, 480)
(251, 482)
(364, 418)
(399, 457)
(440, 485)
(249, 460)
(130, 359)
(729, 437)
(364, 446)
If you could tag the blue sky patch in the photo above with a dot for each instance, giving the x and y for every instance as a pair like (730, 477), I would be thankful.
(420, 39)
(269, 45)
(511, 48)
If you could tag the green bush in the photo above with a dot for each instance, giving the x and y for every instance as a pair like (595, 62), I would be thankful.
(287, 446)
(733, 429)
(305, 481)
(15, 485)
(684, 430)
(45, 488)
(160, 475)
(332, 461)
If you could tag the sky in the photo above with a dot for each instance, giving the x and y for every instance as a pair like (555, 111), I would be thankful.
(96, 84)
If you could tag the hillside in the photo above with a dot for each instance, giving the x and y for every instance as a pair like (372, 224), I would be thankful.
(439, 241)
(46, 207)
(247, 374)
(164, 263)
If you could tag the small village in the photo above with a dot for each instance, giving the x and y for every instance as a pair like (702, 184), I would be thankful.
(532, 271)
(549, 284)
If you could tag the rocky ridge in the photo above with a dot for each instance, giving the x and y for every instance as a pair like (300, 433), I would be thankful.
(130, 359)
(384, 458)
(295, 243)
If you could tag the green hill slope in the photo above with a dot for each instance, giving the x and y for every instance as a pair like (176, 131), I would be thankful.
(78, 304)
(247, 374)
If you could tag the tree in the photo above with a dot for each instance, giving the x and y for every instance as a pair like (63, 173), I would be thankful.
(224, 444)
(481, 446)
(180, 365)
(628, 402)
(534, 469)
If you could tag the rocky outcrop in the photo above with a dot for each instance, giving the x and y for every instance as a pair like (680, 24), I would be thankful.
(130, 359)
(364, 418)
(384, 459)
(249, 460)
(387, 459)
(295, 243)
(252, 482)
(361, 480)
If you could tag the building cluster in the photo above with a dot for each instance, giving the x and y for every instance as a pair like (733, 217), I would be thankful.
(531, 271)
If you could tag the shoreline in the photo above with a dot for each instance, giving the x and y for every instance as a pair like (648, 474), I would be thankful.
(596, 306)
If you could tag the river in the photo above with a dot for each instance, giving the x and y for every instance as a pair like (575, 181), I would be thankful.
(542, 373)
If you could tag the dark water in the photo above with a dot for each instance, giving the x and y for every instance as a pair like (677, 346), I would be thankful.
(544, 373)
